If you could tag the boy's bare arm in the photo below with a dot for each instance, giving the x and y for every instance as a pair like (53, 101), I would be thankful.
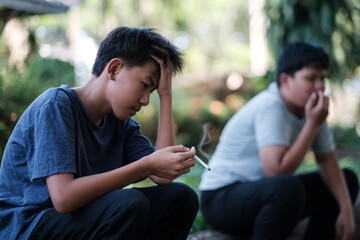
(166, 134)
(283, 160)
(68, 194)
(334, 179)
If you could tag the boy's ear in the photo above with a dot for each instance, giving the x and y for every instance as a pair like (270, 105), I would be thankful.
(113, 67)
(283, 79)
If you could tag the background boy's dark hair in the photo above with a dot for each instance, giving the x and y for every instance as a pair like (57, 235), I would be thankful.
(301, 54)
(134, 46)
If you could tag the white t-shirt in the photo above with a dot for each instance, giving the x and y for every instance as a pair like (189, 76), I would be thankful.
(263, 121)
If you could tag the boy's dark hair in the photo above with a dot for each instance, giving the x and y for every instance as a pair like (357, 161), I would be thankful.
(301, 54)
(134, 46)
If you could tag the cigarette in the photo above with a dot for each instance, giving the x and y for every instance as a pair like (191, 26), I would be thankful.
(202, 163)
(328, 92)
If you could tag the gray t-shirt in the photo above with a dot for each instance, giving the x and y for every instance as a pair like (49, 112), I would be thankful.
(57, 135)
(263, 121)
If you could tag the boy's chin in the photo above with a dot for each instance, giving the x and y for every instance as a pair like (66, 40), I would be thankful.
(123, 117)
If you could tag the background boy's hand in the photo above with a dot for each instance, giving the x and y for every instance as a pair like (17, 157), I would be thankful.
(166, 73)
(171, 162)
(345, 226)
(316, 108)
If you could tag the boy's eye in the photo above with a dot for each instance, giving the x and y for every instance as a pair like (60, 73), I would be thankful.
(145, 85)
(311, 79)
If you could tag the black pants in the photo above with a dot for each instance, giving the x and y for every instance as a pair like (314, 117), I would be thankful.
(271, 208)
(159, 212)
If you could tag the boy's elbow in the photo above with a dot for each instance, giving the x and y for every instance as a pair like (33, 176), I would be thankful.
(62, 210)
(164, 182)
(61, 197)
(160, 180)
(61, 204)
(273, 172)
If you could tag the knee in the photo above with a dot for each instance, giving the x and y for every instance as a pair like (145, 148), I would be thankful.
(187, 196)
(289, 190)
(287, 198)
(131, 200)
(138, 201)
(352, 183)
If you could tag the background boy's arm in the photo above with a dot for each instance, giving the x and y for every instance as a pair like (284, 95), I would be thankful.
(334, 179)
(278, 159)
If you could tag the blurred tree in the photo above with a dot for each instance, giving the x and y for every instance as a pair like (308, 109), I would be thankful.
(19, 87)
(12, 9)
(333, 24)
(213, 36)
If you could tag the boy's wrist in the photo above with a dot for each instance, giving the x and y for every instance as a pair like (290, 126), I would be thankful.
(147, 166)
(313, 124)
(165, 94)
(166, 97)
(311, 128)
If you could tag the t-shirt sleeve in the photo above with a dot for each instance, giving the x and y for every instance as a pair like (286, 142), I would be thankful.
(324, 140)
(269, 125)
(54, 150)
(136, 144)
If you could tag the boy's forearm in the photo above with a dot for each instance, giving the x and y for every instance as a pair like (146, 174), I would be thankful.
(334, 179)
(296, 153)
(165, 134)
(69, 194)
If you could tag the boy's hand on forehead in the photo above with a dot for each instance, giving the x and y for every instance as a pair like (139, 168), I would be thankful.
(166, 73)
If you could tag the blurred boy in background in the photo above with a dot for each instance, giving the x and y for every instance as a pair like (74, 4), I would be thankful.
(252, 187)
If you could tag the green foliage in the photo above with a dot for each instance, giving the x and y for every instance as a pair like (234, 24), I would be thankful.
(189, 118)
(20, 86)
(333, 24)
(346, 136)
(347, 143)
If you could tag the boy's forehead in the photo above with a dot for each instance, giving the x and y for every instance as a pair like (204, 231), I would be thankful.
(314, 69)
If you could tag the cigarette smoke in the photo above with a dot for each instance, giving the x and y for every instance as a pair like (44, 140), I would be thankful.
(206, 139)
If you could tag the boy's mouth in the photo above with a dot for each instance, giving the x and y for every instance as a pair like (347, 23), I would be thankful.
(135, 110)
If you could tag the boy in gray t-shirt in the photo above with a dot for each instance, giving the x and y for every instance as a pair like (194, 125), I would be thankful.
(74, 150)
(252, 188)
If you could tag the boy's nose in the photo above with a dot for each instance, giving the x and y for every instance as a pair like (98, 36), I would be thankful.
(320, 85)
(145, 99)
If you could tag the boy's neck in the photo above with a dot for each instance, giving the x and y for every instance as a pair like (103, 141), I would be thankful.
(92, 96)
(295, 110)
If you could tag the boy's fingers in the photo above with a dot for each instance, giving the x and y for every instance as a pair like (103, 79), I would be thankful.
(320, 96)
(311, 101)
(159, 60)
(167, 62)
(164, 51)
(179, 148)
(189, 163)
(188, 154)
(164, 64)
